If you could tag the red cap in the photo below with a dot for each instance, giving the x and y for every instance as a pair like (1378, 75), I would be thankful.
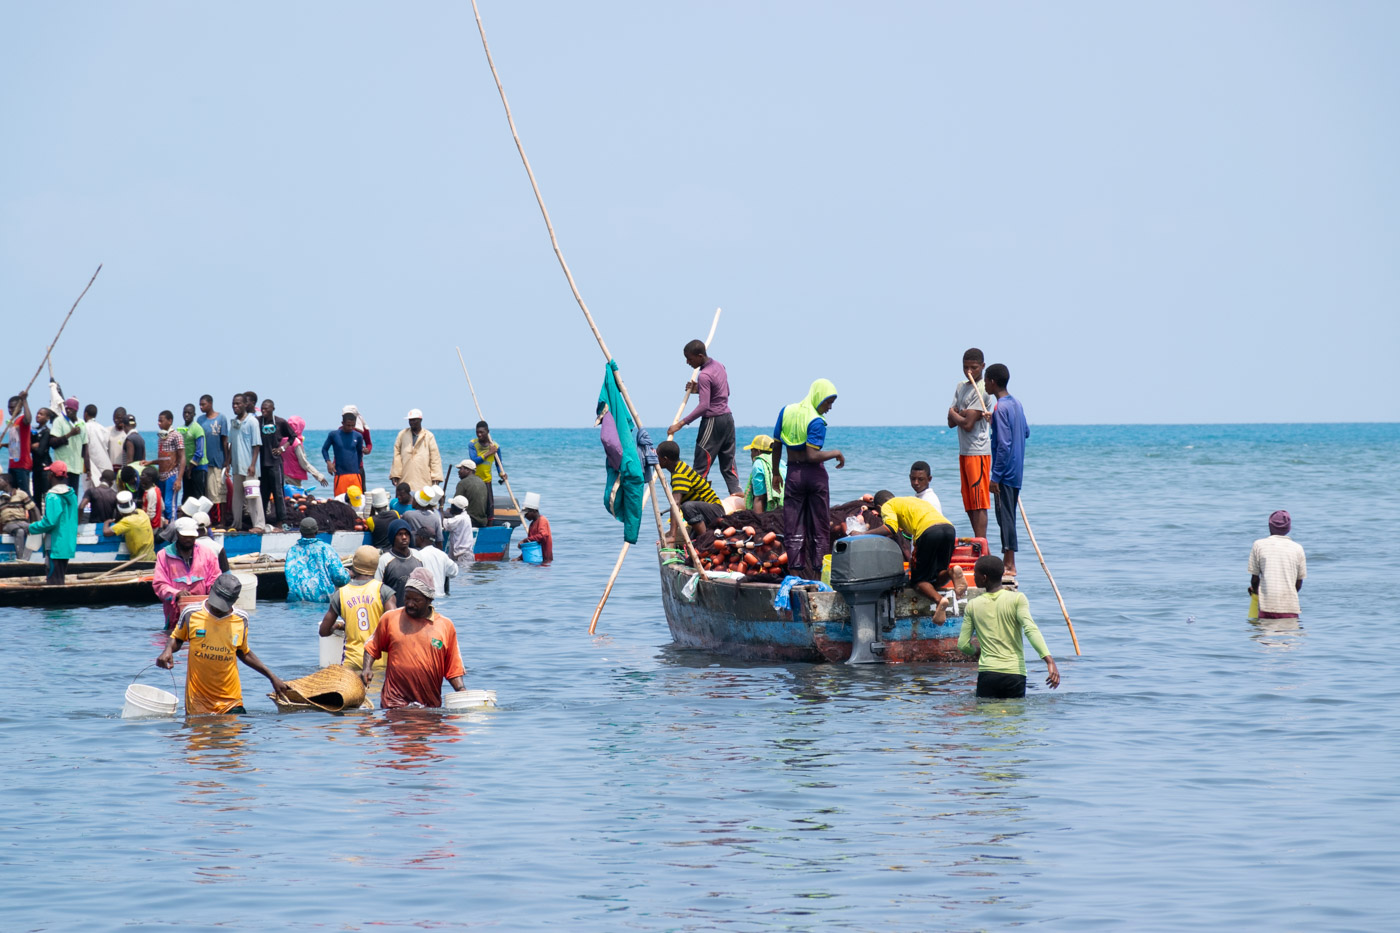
(58, 468)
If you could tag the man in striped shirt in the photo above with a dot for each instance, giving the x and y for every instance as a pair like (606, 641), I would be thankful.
(692, 492)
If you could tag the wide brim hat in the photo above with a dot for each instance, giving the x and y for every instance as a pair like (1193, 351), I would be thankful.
(333, 689)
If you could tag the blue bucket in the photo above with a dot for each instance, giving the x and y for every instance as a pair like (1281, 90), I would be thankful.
(532, 553)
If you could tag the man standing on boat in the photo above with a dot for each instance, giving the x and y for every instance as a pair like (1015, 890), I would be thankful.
(417, 461)
(801, 429)
(59, 522)
(970, 416)
(482, 452)
(693, 494)
(246, 445)
(67, 435)
(344, 453)
(98, 451)
(17, 510)
(716, 437)
(215, 427)
(17, 441)
(477, 494)
(196, 454)
(1009, 434)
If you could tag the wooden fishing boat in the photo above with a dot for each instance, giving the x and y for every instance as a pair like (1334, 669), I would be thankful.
(129, 587)
(739, 620)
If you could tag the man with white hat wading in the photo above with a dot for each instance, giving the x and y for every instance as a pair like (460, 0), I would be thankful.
(217, 633)
(423, 517)
(421, 646)
(460, 531)
(182, 569)
(417, 461)
(539, 526)
(134, 528)
(190, 508)
(206, 540)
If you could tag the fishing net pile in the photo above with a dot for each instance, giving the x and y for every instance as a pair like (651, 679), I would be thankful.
(751, 542)
(330, 514)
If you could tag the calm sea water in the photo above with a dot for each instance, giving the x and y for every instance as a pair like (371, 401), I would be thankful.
(1194, 770)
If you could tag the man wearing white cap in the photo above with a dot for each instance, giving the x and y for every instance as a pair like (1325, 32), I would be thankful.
(133, 526)
(461, 534)
(539, 526)
(476, 492)
(183, 569)
(206, 540)
(416, 457)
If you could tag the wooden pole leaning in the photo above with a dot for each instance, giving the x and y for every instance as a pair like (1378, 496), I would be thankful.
(481, 416)
(646, 495)
(1046, 568)
(53, 344)
(573, 286)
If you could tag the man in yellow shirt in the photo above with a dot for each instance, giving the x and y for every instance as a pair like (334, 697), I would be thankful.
(134, 526)
(915, 523)
(218, 634)
(356, 608)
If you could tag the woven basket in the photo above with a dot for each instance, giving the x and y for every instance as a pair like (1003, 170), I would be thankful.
(333, 689)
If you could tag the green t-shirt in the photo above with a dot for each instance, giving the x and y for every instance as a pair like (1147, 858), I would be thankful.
(192, 432)
(999, 620)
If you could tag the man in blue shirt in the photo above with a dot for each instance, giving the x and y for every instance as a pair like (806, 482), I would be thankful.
(216, 450)
(1009, 433)
(348, 463)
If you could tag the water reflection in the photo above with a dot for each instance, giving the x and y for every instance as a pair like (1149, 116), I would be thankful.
(1277, 634)
(415, 738)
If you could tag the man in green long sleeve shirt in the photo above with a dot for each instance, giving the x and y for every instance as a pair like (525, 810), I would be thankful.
(1000, 619)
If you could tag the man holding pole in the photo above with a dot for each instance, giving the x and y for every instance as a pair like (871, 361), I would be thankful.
(482, 452)
(716, 437)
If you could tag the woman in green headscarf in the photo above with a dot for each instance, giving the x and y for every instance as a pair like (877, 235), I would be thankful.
(801, 428)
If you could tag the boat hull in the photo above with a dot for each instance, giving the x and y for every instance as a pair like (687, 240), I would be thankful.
(740, 621)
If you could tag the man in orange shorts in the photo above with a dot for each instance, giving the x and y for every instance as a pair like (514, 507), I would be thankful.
(970, 415)
(347, 464)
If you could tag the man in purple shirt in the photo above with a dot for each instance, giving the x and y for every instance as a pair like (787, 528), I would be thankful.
(1009, 433)
(716, 437)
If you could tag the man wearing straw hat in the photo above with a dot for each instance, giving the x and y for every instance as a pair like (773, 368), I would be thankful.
(217, 633)
(421, 646)
(357, 607)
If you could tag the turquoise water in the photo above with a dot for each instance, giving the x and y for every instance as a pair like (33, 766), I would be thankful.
(1193, 771)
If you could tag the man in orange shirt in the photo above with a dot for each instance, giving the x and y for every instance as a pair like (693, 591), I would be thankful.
(217, 633)
(422, 649)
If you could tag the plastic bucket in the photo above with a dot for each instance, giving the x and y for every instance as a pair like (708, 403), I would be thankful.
(469, 699)
(532, 552)
(143, 702)
(252, 488)
(248, 596)
(332, 648)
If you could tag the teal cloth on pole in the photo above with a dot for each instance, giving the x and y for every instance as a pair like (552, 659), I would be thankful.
(622, 496)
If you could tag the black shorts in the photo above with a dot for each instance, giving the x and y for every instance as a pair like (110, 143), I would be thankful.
(998, 686)
(933, 551)
(707, 512)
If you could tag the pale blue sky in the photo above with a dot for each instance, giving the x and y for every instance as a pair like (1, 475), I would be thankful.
(1151, 212)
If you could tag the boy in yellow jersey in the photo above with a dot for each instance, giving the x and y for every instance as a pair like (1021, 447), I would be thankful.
(218, 634)
(913, 522)
(1001, 619)
(356, 607)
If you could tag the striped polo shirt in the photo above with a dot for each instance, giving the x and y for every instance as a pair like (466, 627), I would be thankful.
(689, 486)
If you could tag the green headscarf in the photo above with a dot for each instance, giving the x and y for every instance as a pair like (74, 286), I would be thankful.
(798, 415)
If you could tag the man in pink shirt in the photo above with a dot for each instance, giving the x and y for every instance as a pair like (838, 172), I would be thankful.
(183, 569)
(716, 437)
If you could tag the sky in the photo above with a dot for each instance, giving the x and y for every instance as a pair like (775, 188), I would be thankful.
(1191, 209)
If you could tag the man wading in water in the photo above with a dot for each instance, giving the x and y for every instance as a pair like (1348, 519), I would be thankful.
(422, 649)
(217, 633)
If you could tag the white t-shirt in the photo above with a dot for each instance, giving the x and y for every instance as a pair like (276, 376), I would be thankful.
(440, 566)
(1280, 564)
(99, 453)
(460, 536)
(928, 496)
(978, 441)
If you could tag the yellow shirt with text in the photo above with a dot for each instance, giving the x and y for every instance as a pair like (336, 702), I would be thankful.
(211, 678)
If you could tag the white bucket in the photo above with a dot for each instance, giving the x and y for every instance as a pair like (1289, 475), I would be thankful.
(143, 702)
(248, 596)
(469, 699)
(332, 649)
(252, 488)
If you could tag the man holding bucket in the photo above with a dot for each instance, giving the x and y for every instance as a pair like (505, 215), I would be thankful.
(217, 633)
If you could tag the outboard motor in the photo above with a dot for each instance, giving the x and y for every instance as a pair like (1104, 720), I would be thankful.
(864, 568)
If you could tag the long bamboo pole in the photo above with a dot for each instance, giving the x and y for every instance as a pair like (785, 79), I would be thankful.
(573, 286)
(646, 494)
(499, 465)
(53, 344)
(1026, 519)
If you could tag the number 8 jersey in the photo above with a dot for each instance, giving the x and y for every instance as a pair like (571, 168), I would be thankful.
(360, 605)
